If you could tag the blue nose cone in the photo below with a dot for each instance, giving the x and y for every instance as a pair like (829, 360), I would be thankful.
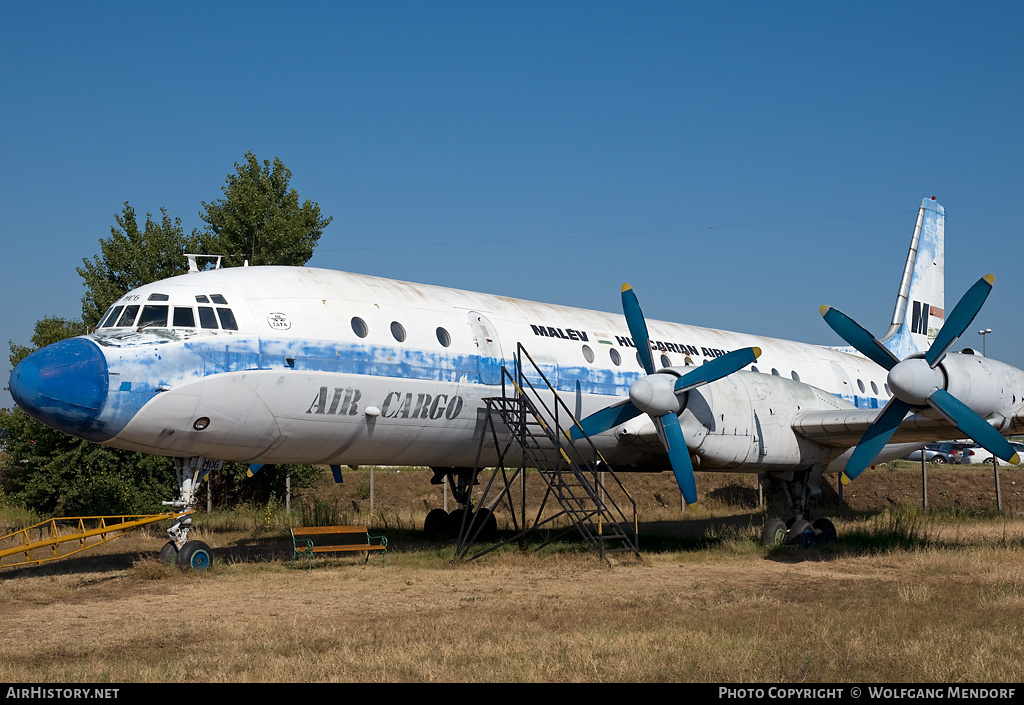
(64, 385)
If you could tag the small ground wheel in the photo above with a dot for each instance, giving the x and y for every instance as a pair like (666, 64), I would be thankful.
(195, 555)
(169, 553)
(801, 533)
(825, 531)
(774, 532)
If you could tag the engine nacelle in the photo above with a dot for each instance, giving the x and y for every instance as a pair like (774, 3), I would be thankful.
(747, 419)
(987, 386)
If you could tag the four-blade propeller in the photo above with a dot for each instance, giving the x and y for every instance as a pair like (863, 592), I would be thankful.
(916, 383)
(661, 395)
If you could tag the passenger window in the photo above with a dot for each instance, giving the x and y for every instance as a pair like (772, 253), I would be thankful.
(398, 331)
(359, 327)
(753, 368)
(775, 372)
(227, 318)
(874, 388)
(207, 318)
(665, 362)
(860, 385)
(588, 354)
(111, 318)
(443, 337)
(616, 358)
(153, 317)
(795, 376)
(218, 299)
(128, 317)
(184, 317)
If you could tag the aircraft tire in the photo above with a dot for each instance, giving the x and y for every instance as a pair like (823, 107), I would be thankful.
(825, 531)
(774, 532)
(436, 524)
(169, 553)
(455, 522)
(490, 523)
(802, 533)
(195, 555)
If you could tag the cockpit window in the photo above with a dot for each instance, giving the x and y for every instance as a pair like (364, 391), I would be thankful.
(158, 297)
(128, 317)
(202, 299)
(153, 317)
(227, 319)
(218, 299)
(207, 318)
(111, 318)
(184, 317)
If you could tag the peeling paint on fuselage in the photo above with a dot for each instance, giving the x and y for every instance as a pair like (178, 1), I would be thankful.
(296, 337)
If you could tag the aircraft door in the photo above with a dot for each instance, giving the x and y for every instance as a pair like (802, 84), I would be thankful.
(845, 387)
(488, 348)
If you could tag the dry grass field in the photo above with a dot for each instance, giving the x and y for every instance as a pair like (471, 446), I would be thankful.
(903, 596)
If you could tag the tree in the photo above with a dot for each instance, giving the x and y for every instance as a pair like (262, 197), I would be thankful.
(259, 220)
(133, 257)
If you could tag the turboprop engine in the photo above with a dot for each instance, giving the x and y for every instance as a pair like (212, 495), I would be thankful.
(965, 390)
(661, 395)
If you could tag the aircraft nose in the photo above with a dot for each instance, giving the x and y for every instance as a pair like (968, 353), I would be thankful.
(64, 385)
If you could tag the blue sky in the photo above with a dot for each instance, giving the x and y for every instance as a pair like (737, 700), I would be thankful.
(739, 163)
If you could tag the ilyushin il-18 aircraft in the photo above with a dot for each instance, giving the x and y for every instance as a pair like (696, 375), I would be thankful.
(267, 365)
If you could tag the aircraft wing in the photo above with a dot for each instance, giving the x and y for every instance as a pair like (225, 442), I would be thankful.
(844, 428)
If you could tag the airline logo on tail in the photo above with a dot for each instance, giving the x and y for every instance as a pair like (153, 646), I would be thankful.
(920, 305)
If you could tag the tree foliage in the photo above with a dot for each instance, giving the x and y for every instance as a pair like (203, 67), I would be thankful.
(259, 220)
(131, 257)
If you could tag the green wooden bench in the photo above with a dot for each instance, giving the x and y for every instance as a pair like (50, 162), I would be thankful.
(307, 540)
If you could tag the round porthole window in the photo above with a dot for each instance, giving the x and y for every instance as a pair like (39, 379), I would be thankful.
(359, 327)
(443, 337)
(201, 423)
(616, 358)
(398, 330)
(588, 353)
(665, 362)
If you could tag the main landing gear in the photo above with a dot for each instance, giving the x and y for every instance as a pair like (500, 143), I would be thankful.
(179, 550)
(800, 529)
(440, 524)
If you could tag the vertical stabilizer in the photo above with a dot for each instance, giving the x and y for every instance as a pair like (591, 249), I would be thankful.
(920, 304)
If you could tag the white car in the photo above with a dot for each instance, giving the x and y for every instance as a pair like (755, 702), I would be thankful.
(976, 454)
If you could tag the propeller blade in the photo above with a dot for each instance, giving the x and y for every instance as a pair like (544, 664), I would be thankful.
(963, 313)
(850, 331)
(875, 438)
(972, 425)
(679, 457)
(606, 418)
(717, 368)
(637, 327)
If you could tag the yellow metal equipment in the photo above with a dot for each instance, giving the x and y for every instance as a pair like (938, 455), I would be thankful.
(49, 539)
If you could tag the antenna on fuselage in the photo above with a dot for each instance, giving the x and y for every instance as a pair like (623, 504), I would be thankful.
(193, 267)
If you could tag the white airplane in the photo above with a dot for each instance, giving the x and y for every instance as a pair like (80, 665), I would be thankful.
(302, 365)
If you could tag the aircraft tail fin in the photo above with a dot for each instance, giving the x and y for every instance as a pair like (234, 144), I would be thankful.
(920, 304)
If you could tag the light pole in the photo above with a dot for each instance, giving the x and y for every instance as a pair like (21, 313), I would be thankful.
(984, 333)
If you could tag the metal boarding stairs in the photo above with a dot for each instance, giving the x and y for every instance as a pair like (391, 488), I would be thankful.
(529, 424)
